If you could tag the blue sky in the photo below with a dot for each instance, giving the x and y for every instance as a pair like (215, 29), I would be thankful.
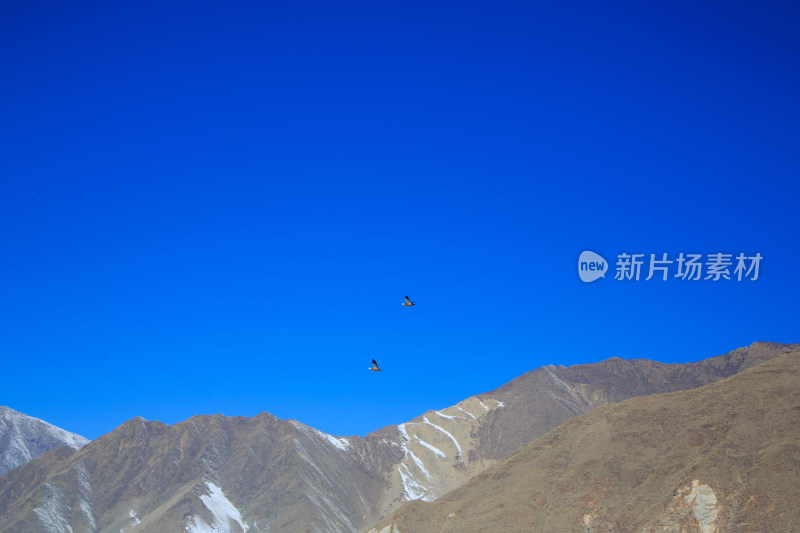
(212, 208)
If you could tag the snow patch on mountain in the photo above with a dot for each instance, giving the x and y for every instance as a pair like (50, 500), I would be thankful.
(419, 464)
(434, 449)
(424, 473)
(413, 487)
(466, 413)
(402, 429)
(222, 510)
(135, 519)
(425, 419)
(54, 511)
(339, 442)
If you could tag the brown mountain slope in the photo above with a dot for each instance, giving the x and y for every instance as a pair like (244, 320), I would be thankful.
(538, 401)
(258, 472)
(477, 432)
(723, 457)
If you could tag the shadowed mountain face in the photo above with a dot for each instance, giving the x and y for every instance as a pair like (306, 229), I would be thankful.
(23, 437)
(216, 473)
(724, 457)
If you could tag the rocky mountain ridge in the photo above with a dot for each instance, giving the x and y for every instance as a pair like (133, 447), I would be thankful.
(722, 457)
(217, 473)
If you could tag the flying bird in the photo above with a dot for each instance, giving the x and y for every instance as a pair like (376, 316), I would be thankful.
(375, 366)
(408, 302)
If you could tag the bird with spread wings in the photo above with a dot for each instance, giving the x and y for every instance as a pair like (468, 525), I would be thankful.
(374, 366)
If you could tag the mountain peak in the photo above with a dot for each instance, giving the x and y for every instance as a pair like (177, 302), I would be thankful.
(24, 437)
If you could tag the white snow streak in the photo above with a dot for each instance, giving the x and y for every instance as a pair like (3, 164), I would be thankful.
(434, 449)
(465, 412)
(419, 464)
(448, 416)
(135, 519)
(566, 387)
(402, 428)
(425, 419)
(53, 511)
(339, 442)
(414, 490)
(85, 493)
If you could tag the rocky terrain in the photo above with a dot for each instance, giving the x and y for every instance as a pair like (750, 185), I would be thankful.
(217, 473)
(723, 457)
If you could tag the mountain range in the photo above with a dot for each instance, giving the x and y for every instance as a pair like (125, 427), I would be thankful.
(722, 457)
(259, 474)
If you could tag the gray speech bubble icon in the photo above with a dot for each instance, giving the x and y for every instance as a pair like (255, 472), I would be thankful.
(591, 266)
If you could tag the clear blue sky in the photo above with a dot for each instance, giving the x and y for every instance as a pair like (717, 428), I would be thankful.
(211, 207)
